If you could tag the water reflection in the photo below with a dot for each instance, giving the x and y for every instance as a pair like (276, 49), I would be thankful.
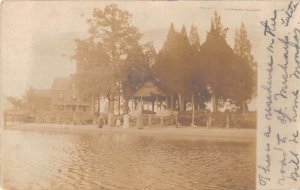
(51, 160)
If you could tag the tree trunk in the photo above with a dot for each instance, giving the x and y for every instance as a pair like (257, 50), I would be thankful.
(172, 104)
(119, 104)
(214, 103)
(167, 102)
(142, 104)
(184, 103)
(244, 106)
(92, 105)
(110, 119)
(193, 109)
(126, 107)
(152, 105)
(108, 98)
(181, 102)
(98, 109)
(111, 104)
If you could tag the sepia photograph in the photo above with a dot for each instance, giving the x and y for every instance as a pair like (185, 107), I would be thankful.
(131, 95)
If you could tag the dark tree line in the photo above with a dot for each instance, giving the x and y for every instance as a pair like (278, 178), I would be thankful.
(112, 62)
(211, 71)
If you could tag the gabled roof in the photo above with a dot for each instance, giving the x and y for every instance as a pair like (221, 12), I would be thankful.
(61, 83)
(150, 88)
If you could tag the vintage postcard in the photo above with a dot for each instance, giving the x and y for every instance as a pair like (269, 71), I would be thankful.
(153, 95)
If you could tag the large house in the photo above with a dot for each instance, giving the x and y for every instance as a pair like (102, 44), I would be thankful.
(59, 104)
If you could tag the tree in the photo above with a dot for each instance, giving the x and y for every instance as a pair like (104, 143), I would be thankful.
(17, 103)
(196, 71)
(141, 60)
(194, 38)
(242, 48)
(176, 65)
(240, 86)
(217, 27)
(170, 67)
(112, 27)
(102, 57)
(216, 58)
(227, 72)
(92, 68)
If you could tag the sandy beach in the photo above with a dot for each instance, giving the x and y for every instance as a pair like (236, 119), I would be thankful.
(181, 132)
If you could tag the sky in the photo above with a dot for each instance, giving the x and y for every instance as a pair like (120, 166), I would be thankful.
(37, 38)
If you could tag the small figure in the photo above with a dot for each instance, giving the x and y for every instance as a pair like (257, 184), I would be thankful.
(100, 121)
(126, 121)
(118, 122)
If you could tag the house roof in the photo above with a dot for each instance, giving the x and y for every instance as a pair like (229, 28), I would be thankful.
(61, 83)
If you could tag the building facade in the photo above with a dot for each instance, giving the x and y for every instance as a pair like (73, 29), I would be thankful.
(59, 104)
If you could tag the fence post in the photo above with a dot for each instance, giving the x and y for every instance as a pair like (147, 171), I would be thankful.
(139, 121)
(208, 123)
(193, 112)
(126, 121)
(227, 121)
(149, 120)
(161, 121)
(5, 119)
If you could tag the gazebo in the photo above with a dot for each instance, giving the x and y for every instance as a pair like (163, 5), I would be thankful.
(148, 93)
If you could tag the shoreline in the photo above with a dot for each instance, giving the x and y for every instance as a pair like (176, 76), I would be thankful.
(199, 133)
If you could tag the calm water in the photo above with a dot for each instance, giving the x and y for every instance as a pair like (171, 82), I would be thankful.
(65, 160)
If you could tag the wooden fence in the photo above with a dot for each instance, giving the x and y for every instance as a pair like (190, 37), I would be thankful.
(59, 117)
(151, 120)
(209, 120)
(220, 119)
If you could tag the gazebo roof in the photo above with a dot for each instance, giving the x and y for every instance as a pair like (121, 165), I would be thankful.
(150, 89)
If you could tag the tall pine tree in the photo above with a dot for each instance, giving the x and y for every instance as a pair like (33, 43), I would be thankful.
(172, 66)
(198, 82)
(242, 48)
(194, 38)
(216, 57)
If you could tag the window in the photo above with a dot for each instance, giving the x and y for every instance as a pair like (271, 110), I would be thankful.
(84, 109)
(74, 97)
(73, 108)
(61, 96)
